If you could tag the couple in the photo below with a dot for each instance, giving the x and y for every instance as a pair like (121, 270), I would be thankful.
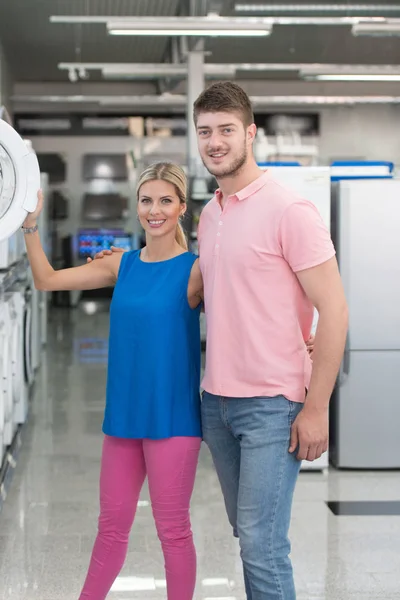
(266, 260)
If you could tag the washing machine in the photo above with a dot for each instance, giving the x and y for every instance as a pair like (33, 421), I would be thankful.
(43, 297)
(29, 370)
(8, 251)
(19, 184)
(6, 380)
(20, 384)
(3, 371)
(34, 296)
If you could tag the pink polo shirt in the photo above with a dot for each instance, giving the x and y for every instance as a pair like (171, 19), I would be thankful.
(258, 316)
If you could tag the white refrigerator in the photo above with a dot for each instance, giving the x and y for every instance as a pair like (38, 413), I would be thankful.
(365, 408)
(313, 184)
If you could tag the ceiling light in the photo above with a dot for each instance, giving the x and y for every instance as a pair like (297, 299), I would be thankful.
(181, 100)
(81, 19)
(191, 32)
(323, 100)
(353, 77)
(172, 26)
(149, 70)
(206, 26)
(172, 22)
(388, 28)
(344, 8)
(332, 69)
(144, 70)
(50, 98)
(187, 26)
(162, 100)
(325, 21)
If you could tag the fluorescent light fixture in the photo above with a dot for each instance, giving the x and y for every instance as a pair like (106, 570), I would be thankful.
(214, 21)
(314, 69)
(81, 19)
(191, 32)
(141, 71)
(173, 26)
(211, 25)
(325, 21)
(353, 77)
(149, 70)
(224, 26)
(322, 100)
(50, 98)
(331, 8)
(162, 100)
(181, 100)
(388, 28)
(108, 73)
(188, 26)
(223, 70)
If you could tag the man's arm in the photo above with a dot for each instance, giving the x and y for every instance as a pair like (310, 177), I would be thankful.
(323, 286)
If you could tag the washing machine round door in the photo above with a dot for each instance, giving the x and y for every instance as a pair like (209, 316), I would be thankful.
(19, 180)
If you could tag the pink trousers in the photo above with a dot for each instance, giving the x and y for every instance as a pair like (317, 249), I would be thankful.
(170, 465)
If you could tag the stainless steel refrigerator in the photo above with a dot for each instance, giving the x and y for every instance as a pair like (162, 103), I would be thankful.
(314, 184)
(365, 407)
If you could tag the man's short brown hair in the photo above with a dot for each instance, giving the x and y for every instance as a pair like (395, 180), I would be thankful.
(225, 96)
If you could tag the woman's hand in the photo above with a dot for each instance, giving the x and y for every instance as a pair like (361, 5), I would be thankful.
(310, 344)
(31, 218)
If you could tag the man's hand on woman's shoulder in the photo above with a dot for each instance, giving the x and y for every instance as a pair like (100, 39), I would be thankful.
(104, 253)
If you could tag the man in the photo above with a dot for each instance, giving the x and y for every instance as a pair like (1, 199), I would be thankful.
(267, 260)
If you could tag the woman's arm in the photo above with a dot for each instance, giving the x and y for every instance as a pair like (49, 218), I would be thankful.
(195, 287)
(98, 274)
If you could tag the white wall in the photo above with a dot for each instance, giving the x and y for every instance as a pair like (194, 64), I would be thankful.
(368, 132)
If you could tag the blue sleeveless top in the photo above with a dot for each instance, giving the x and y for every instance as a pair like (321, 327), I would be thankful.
(153, 382)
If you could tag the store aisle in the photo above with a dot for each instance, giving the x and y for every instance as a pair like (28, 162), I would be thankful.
(48, 523)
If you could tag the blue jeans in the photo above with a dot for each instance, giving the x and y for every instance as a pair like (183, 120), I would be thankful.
(249, 442)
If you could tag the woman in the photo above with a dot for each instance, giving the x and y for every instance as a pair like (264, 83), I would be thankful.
(152, 417)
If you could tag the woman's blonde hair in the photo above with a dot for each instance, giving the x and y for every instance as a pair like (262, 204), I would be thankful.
(174, 174)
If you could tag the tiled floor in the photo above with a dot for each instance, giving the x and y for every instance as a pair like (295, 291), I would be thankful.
(49, 520)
